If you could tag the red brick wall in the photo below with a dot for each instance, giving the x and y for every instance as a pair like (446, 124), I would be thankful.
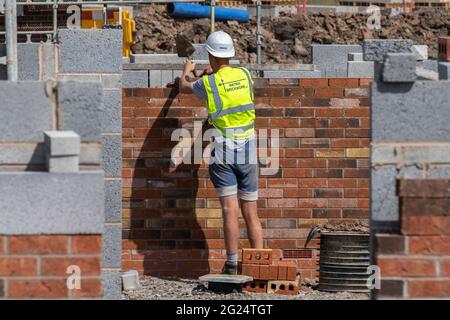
(33, 267)
(172, 221)
(416, 262)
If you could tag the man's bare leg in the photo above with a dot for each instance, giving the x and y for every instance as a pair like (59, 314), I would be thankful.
(254, 229)
(230, 212)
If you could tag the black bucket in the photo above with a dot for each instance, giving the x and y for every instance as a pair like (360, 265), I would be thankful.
(344, 261)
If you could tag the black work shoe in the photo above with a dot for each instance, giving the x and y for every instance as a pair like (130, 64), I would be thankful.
(230, 268)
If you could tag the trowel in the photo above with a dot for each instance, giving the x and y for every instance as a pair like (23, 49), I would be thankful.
(185, 49)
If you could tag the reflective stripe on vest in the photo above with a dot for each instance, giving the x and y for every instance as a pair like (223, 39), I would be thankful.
(220, 112)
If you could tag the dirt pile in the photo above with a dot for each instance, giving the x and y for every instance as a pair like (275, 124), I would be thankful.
(287, 39)
(360, 226)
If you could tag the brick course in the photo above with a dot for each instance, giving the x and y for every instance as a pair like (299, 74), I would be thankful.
(415, 263)
(34, 267)
(323, 177)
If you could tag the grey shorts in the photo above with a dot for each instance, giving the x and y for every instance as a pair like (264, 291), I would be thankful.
(231, 179)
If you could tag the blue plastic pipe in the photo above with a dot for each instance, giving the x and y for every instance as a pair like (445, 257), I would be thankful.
(197, 11)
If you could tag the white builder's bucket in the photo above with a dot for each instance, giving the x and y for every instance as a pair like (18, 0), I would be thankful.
(130, 280)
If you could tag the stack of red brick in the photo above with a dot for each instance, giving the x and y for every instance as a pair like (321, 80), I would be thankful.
(268, 275)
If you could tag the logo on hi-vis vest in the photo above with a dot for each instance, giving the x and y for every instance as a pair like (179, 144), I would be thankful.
(235, 85)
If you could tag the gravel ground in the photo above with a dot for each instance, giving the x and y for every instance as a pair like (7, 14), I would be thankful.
(176, 289)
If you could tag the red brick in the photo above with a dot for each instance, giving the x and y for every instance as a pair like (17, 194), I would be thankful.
(429, 245)
(406, 267)
(365, 82)
(444, 48)
(2, 244)
(429, 288)
(329, 92)
(11, 266)
(251, 270)
(316, 83)
(86, 244)
(257, 256)
(425, 225)
(268, 272)
(445, 267)
(258, 286)
(344, 82)
(38, 244)
(90, 266)
(291, 272)
(37, 289)
(90, 288)
(282, 270)
(283, 287)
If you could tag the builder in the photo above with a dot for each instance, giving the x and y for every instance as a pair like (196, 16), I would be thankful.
(233, 168)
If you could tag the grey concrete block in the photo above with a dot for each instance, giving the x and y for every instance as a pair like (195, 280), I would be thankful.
(157, 58)
(166, 77)
(63, 164)
(155, 78)
(177, 74)
(410, 112)
(410, 172)
(439, 173)
(444, 70)
(399, 67)
(421, 52)
(376, 49)
(47, 203)
(48, 61)
(112, 246)
(200, 52)
(384, 200)
(25, 110)
(28, 58)
(112, 284)
(112, 111)
(91, 153)
(383, 154)
(355, 56)
(431, 65)
(22, 154)
(329, 58)
(292, 74)
(90, 50)
(62, 143)
(81, 108)
(135, 79)
(112, 81)
(360, 69)
(113, 200)
(80, 77)
(112, 155)
(435, 154)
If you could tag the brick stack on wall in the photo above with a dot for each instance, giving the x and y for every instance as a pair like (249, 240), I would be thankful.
(172, 219)
(410, 171)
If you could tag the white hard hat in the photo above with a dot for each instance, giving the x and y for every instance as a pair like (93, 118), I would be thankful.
(220, 45)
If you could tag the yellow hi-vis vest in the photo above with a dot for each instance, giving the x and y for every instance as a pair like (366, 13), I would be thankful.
(230, 102)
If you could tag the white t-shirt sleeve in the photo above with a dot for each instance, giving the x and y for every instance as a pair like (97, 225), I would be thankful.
(198, 87)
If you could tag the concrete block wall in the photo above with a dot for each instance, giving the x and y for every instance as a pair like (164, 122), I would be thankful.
(96, 55)
(172, 222)
(409, 160)
(88, 66)
(49, 221)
